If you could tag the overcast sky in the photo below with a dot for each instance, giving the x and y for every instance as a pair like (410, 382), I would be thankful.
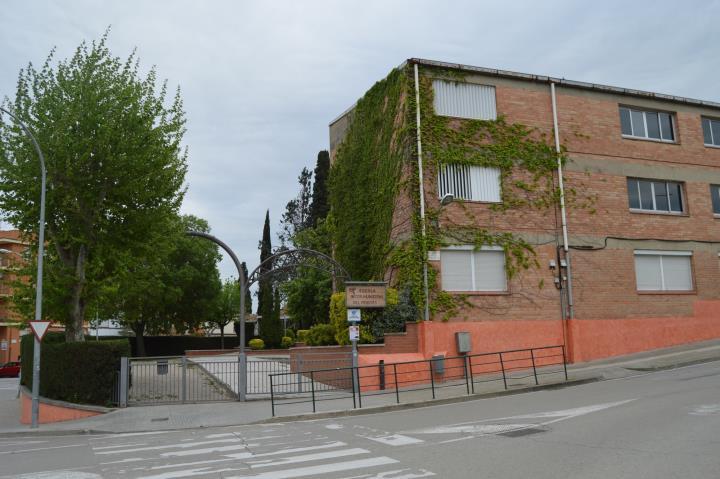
(261, 80)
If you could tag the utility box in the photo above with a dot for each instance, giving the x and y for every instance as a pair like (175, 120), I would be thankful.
(438, 364)
(464, 345)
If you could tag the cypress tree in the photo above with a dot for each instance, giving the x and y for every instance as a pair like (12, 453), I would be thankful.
(270, 330)
(248, 295)
(320, 205)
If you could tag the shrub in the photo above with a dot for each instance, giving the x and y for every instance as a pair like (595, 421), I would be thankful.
(256, 344)
(81, 372)
(290, 334)
(394, 317)
(302, 335)
(321, 335)
(286, 342)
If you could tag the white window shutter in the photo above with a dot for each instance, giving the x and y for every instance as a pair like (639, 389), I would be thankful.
(677, 273)
(456, 270)
(464, 100)
(490, 271)
(485, 184)
(648, 273)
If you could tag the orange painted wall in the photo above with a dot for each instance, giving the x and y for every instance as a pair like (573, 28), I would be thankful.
(50, 413)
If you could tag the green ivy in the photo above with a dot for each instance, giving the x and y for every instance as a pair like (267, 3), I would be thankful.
(378, 159)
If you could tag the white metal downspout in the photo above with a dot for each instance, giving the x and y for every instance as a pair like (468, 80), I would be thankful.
(563, 215)
(422, 194)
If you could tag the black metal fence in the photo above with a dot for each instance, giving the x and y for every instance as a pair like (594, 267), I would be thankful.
(370, 383)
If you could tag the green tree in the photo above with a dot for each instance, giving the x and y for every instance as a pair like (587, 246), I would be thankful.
(115, 171)
(297, 211)
(174, 288)
(269, 331)
(320, 206)
(248, 294)
(227, 308)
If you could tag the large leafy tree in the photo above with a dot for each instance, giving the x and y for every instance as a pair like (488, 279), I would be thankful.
(227, 308)
(174, 288)
(115, 164)
(297, 211)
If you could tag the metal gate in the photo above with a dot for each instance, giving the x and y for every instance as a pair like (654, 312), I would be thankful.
(183, 379)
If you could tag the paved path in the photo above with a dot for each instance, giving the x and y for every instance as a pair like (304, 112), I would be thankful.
(648, 425)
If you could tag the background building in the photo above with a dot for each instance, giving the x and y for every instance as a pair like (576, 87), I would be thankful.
(634, 267)
(11, 251)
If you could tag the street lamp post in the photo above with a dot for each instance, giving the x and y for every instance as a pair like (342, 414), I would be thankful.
(39, 284)
(242, 358)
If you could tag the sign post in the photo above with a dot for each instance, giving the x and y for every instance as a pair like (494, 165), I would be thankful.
(39, 328)
(365, 295)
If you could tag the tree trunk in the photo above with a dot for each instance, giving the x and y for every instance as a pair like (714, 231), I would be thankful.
(74, 326)
(139, 329)
(222, 336)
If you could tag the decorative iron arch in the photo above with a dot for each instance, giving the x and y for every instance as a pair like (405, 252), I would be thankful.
(288, 260)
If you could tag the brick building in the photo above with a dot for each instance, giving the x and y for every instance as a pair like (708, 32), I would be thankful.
(11, 250)
(635, 268)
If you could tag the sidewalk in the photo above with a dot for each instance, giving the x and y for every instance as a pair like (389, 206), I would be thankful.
(188, 416)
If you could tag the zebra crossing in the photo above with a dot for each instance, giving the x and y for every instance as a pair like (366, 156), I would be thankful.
(273, 452)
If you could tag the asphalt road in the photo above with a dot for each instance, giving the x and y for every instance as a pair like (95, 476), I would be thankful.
(653, 425)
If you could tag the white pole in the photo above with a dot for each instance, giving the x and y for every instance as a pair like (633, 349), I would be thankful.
(426, 288)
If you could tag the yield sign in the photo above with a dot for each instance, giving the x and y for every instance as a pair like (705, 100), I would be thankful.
(39, 328)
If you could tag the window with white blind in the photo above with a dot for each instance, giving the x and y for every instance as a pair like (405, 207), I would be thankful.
(472, 183)
(464, 269)
(663, 270)
(464, 100)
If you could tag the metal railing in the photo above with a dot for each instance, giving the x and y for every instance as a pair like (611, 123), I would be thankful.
(471, 373)
(188, 379)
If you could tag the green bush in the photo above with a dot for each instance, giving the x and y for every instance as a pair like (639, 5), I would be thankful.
(394, 317)
(302, 335)
(291, 334)
(286, 342)
(321, 335)
(83, 372)
(256, 344)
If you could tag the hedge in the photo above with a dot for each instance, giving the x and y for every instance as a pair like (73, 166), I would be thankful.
(83, 372)
(177, 345)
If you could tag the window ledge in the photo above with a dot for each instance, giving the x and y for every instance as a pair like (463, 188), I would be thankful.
(653, 140)
(691, 292)
(716, 216)
(660, 213)
(480, 293)
(479, 202)
(706, 145)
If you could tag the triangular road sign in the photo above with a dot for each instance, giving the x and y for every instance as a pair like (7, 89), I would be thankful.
(39, 328)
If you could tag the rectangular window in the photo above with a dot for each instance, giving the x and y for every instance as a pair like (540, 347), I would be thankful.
(464, 269)
(711, 131)
(464, 100)
(649, 195)
(663, 270)
(653, 125)
(466, 182)
(715, 195)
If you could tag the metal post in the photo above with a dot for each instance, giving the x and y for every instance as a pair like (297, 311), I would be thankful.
(352, 380)
(432, 379)
(272, 397)
(397, 389)
(532, 356)
(242, 376)
(472, 381)
(502, 365)
(183, 395)
(381, 374)
(39, 279)
(312, 386)
(124, 376)
(299, 373)
(467, 377)
(356, 377)
(564, 362)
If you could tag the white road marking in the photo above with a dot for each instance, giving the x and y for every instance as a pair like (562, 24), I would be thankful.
(169, 446)
(59, 475)
(394, 440)
(311, 457)
(42, 448)
(706, 410)
(392, 475)
(206, 450)
(334, 426)
(216, 436)
(129, 434)
(574, 412)
(203, 471)
(118, 446)
(130, 459)
(322, 469)
(473, 428)
(250, 455)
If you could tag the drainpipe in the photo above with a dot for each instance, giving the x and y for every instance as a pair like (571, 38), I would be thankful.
(563, 215)
(426, 316)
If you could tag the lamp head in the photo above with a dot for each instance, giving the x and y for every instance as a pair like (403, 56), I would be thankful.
(447, 199)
